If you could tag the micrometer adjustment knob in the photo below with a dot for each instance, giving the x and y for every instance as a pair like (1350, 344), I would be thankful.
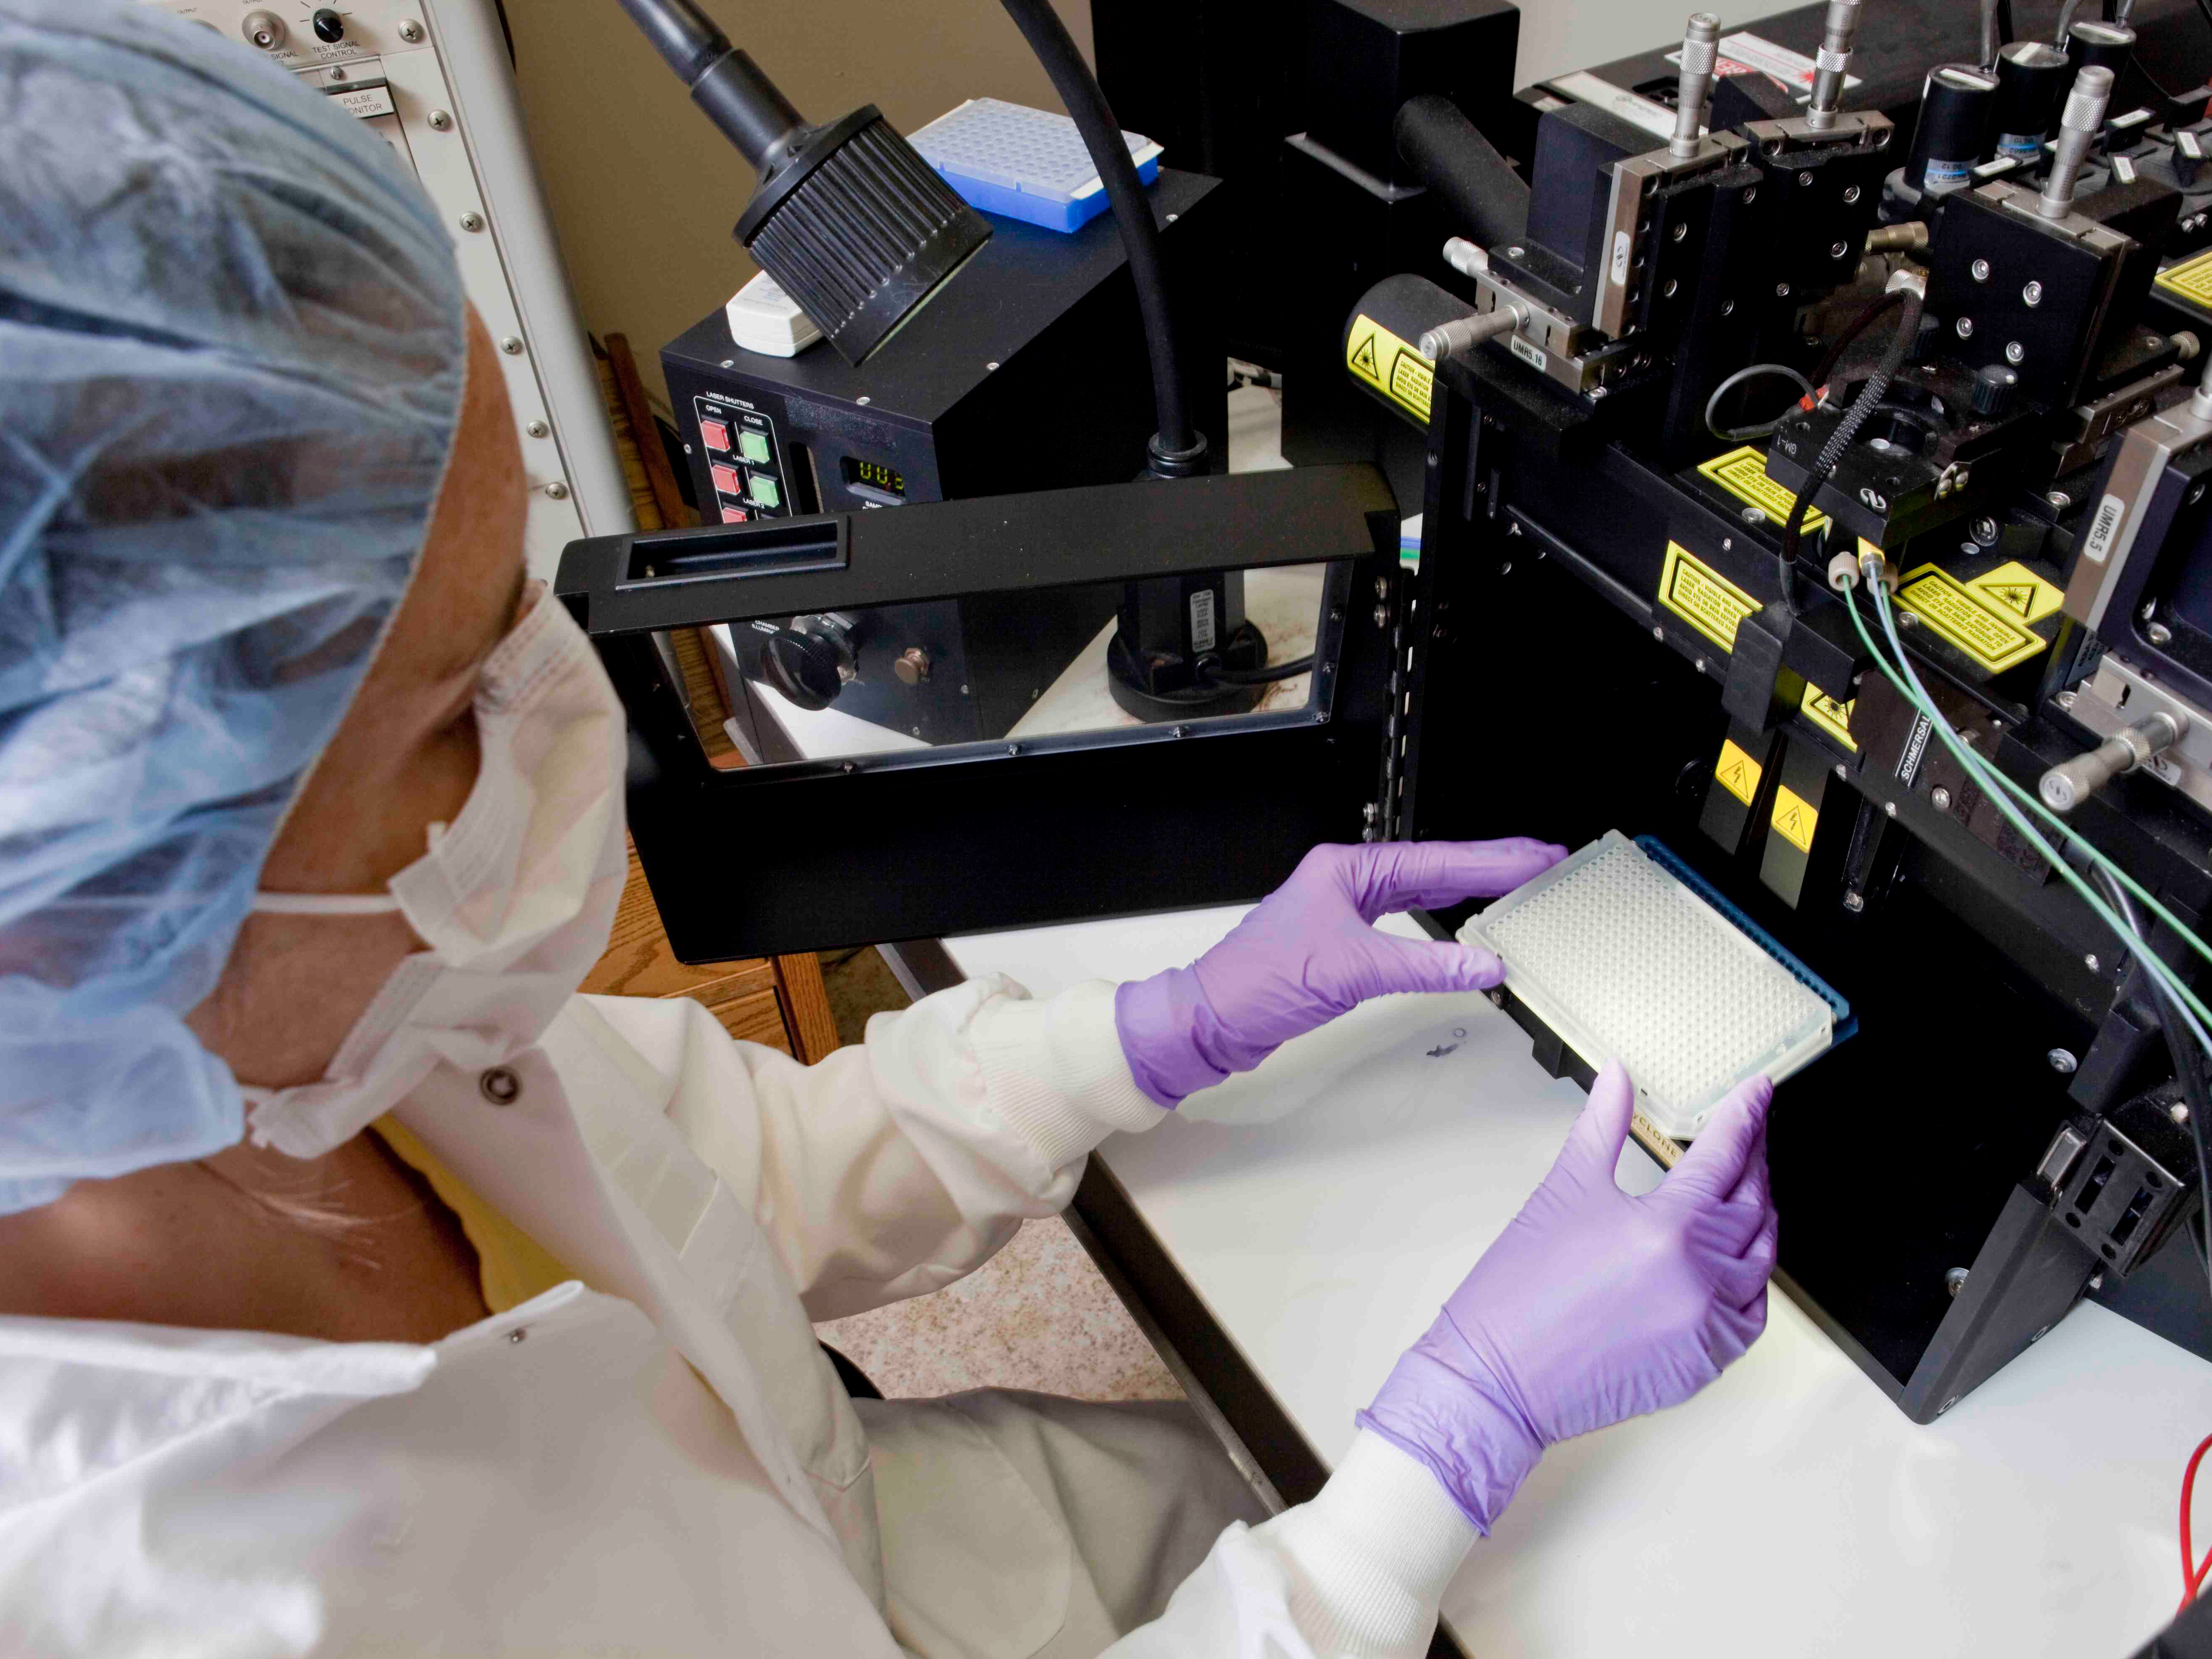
(2068, 784)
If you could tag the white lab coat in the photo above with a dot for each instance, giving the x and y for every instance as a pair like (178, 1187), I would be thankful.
(664, 1464)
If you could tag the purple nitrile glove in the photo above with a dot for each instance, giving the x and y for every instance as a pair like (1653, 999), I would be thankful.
(1592, 1306)
(1308, 952)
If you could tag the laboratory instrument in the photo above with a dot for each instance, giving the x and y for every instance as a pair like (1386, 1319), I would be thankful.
(1837, 522)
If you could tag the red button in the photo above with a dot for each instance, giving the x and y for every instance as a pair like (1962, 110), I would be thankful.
(733, 515)
(716, 434)
(726, 480)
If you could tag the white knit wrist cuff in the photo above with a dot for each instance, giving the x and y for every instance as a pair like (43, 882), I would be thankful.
(1371, 1555)
(1054, 1070)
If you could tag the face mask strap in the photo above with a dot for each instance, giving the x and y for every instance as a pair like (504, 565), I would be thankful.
(324, 904)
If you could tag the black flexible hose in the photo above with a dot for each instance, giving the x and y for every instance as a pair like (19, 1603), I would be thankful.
(1178, 449)
(1471, 179)
(1831, 453)
(2189, 1060)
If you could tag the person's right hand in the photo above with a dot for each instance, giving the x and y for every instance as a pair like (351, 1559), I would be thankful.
(1593, 1306)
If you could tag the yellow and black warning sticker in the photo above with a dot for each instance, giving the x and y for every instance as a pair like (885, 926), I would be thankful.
(1832, 717)
(1702, 597)
(1389, 365)
(1968, 619)
(1737, 772)
(1796, 818)
(1742, 473)
(2018, 592)
(2191, 279)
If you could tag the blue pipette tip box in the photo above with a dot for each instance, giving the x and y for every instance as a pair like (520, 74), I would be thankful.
(1023, 163)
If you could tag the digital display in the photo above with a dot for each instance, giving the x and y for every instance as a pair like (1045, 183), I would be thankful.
(874, 476)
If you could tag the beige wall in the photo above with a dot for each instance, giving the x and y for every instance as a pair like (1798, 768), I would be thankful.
(644, 191)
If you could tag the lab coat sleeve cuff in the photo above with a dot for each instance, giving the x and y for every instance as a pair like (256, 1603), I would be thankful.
(1054, 1070)
(1370, 1557)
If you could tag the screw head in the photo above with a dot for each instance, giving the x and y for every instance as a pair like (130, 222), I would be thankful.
(2014, 351)
(2091, 962)
(1940, 799)
(1851, 192)
(1985, 532)
(537, 429)
(1659, 634)
(1954, 1280)
(2062, 1061)
(1804, 177)
(1667, 292)
(1752, 515)
(1889, 809)
(2158, 633)
(472, 221)
(1980, 271)
(1679, 232)
(727, 362)
(1854, 902)
(410, 30)
(990, 368)
(1842, 771)
(511, 344)
(1964, 328)
(864, 401)
(557, 490)
(1840, 249)
(500, 1086)
(2032, 295)
(1728, 307)
(2059, 498)
(440, 121)
(1782, 290)
(2065, 700)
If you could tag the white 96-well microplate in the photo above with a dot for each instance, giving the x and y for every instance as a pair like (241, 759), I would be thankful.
(1625, 961)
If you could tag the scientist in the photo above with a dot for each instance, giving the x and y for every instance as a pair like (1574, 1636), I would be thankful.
(362, 1289)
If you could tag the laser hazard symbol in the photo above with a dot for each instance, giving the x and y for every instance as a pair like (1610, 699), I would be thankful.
(1390, 366)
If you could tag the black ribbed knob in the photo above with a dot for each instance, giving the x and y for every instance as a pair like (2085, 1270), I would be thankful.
(859, 230)
(1993, 389)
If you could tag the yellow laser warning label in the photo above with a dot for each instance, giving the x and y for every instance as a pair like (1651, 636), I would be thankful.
(2191, 279)
(1389, 365)
(1974, 625)
(1742, 473)
(1737, 772)
(1702, 597)
(2017, 592)
(1832, 717)
(1796, 818)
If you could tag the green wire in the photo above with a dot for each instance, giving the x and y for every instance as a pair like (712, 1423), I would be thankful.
(1981, 769)
(2028, 797)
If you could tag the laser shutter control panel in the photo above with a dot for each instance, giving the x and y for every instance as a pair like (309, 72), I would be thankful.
(431, 77)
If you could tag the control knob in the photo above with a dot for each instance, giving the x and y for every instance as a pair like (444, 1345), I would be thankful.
(328, 26)
(810, 661)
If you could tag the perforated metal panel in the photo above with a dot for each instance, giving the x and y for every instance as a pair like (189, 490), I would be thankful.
(1626, 963)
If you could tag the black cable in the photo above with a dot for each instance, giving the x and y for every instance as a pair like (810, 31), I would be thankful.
(1858, 326)
(1178, 448)
(1212, 669)
(2004, 22)
(2181, 1046)
(1831, 453)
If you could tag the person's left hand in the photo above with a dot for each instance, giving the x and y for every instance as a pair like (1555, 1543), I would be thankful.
(1308, 952)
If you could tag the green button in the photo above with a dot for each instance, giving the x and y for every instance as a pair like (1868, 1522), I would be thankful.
(753, 445)
(764, 490)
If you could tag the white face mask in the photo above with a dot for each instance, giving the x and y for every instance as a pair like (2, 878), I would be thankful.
(515, 898)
